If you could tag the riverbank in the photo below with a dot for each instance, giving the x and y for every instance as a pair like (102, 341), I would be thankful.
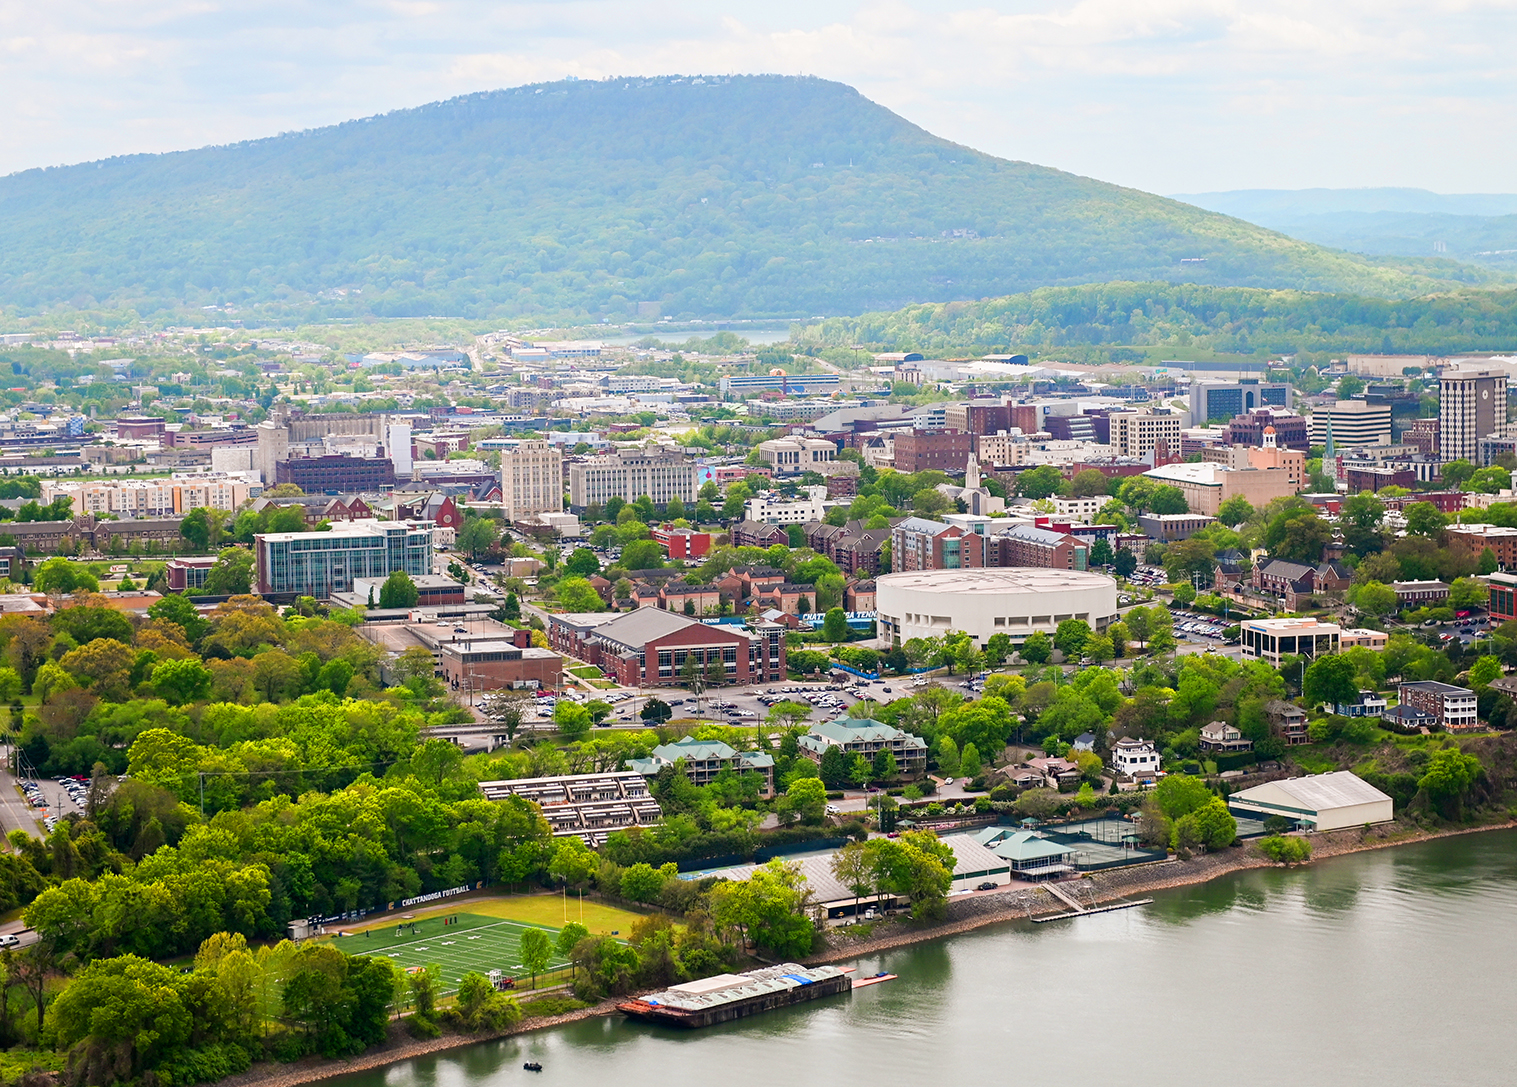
(400, 1047)
(1028, 901)
(964, 915)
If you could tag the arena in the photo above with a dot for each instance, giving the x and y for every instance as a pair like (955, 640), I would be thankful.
(1002, 600)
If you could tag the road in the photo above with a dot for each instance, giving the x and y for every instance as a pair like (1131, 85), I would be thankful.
(15, 812)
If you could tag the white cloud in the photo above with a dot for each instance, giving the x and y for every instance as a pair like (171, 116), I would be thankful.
(1163, 94)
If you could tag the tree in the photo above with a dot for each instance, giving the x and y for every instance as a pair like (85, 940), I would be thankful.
(1457, 472)
(1041, 482)
(1483, 671)
(1449, 775)
(1488, 563)
(231, 574)
(805, 799)
(174, 608)
(1101, 553)
(1177, 795)
(1424, 519)
(969, 761)
(536, 949)
(854, 868)
(178, 682)
(834, 767)
(1186, 559)
(512, 608)
(571, 719)
(1331, 680)
(1088, 483)
(1297, 535)
(1185, 593)
(1037, 648)
(478, 535)
(61, 577)
(1071, 637)
(642, 882)
(643, 555)
(1235, 511)
(1468, 592)
(885, 766)
(577, 595)
(1373, 598)
(655, 712)
(1168, 499)
(582, 563)
(835, 626)
(1125, 562)
(399, 591)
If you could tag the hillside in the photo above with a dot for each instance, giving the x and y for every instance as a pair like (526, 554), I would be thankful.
(1082, 323)
(1480, 228)
(746, 196)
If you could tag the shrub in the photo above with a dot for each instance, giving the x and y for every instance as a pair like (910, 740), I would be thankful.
(1285, 850)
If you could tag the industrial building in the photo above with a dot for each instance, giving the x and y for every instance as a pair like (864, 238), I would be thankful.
(1333, 801)
(1012, 601)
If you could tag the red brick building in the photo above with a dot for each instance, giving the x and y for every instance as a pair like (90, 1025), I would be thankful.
(932, 450)
(652, 647)
(682, 543)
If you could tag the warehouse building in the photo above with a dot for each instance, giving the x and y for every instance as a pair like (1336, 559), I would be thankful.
(1322, 802)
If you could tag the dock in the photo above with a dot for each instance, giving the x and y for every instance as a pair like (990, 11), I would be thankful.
(859, 983)
(1083, 911)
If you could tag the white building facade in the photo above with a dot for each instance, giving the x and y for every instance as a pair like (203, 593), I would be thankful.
(1015, 601)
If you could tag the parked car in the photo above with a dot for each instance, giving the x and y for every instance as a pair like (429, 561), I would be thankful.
(988, 885)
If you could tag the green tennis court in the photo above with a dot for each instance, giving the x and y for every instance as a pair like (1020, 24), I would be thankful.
(475, 942)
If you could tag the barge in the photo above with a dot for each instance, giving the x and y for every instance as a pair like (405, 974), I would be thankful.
(725, 997)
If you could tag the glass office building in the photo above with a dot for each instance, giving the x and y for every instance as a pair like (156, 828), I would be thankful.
(321, 563)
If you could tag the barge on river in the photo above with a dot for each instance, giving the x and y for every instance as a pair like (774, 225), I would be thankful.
(733, 996)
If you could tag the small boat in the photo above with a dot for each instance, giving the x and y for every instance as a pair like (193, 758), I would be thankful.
(532, 1066)
(873, 979)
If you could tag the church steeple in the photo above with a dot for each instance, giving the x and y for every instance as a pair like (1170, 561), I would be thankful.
(972, 474)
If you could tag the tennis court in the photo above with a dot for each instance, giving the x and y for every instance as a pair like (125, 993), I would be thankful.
(474, 942)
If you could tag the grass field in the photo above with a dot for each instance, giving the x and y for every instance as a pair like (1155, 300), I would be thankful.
(475, 942)
(487, 936)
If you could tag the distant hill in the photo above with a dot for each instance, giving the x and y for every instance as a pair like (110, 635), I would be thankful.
(1479, 228)
(745, 196)
(1133, 322)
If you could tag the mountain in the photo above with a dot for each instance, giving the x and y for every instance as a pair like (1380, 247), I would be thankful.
(690, 197)
(1480, 228)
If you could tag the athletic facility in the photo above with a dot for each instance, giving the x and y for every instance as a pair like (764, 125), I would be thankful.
(456, 943)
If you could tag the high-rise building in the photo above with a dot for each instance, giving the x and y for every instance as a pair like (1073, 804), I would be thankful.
(531, 478)
(1471, 405)
(1353, 423)
(659, 473)
(321, 563)
(1137, 433)
(1219, 401)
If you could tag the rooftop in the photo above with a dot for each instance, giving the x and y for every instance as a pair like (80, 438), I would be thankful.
(1292, 626)
(995, 580)
(1339, 789)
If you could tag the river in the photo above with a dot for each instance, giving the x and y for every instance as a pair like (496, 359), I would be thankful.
(1397, 966)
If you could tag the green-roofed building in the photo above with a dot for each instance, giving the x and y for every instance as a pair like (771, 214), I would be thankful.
(861, 736)
(1033, 856)
(705, 759)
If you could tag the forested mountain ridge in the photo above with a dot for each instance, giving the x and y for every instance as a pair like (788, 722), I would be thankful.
(1082, 323)
(741, 196)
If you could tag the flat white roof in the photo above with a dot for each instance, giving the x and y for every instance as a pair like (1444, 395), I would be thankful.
(1292, 626)
(997, 580)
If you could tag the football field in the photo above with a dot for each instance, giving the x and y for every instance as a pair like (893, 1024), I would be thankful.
(474, 942)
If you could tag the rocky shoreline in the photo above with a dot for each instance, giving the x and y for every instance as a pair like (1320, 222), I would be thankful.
(964, 915)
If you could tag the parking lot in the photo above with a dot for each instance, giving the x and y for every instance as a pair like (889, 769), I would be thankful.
(58, 797)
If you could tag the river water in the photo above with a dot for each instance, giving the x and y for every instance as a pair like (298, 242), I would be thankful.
(1393, 967)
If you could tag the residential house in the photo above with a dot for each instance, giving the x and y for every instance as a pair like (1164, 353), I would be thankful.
(1137, 759)
(1368, 704)
(1221, 736)
(1057, 773)
(1287, 721)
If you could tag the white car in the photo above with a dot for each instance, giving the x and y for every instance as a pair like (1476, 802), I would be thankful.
(833, 809)
(948, 781)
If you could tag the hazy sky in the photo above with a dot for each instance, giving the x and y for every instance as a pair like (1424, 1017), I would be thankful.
(1164, 95)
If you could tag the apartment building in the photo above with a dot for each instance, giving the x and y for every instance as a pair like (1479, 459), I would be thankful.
(531, 478)
(935, 450)
(137, 498)
(866, 738)
(1002, 449)
(660, 473)
(1453, 707)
